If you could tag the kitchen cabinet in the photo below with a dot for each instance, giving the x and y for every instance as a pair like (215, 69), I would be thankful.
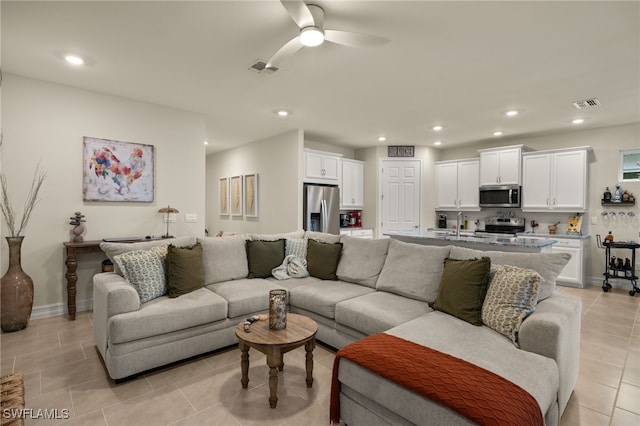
(555, 180)
(501, 166)
(366, 233)
(574, 270)
(457, 184)
(352, 184)
(321, 167)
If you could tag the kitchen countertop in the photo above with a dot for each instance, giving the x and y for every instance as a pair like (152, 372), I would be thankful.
(530, 234)
(468, 239)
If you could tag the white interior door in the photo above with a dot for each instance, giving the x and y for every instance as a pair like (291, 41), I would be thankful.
(400, 195)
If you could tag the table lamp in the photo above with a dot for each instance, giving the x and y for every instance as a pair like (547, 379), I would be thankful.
(168, 210)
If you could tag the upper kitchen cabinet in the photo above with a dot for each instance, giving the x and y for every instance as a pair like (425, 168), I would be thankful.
(321, 167)
(352, 184)
(501, 166)
(555, 180)
(457, 184)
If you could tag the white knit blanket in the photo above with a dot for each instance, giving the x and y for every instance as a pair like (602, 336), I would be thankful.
(292, 267)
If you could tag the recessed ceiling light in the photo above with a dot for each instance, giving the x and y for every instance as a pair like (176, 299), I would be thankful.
(382, 138)
(497, 133)
(206, 142)
(282, 113)
(437, 128)
(578, 121)
(74, 59)
(511, 113)
(437, 143)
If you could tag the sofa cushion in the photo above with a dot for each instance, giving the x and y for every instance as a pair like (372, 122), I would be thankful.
(413, 270)
(274, 237)
(322, 297)
(263, 256)
(245, 296)
(362, 260)
(511, 296)
(323, 259)
(144, 270)
(114, 249)
(548, 265)
(463, 288)
(322, 236)
(184, 269)
(224, 258)
(378, 311)
(166, 315)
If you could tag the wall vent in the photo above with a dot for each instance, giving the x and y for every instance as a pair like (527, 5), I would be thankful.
(586, 103)
(260, 67)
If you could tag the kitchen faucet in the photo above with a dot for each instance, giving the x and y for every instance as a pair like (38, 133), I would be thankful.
(458, 224)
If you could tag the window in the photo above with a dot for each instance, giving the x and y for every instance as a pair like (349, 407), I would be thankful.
(629, 170)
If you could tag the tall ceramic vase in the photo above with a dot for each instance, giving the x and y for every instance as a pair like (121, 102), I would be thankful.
(16, 291)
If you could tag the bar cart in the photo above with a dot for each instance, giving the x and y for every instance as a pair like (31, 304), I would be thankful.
(615, 268)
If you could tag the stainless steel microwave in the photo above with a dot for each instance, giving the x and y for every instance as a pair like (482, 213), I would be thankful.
(500, 196)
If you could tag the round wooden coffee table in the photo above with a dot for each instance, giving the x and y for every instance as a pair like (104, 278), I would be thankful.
(274, 344)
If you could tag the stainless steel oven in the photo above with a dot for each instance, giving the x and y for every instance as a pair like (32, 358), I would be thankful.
(500, 196)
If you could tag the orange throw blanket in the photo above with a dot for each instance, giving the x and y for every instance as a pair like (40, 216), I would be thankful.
(476, 393)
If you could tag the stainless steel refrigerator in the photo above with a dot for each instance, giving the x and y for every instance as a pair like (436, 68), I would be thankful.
(322, 208)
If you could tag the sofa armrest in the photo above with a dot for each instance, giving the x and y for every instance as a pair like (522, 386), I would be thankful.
(112, 295)
(553, 330)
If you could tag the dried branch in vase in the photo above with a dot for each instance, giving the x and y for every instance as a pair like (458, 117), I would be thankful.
(8, 213)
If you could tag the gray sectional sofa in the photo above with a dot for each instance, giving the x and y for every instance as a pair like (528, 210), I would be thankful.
(382, 286)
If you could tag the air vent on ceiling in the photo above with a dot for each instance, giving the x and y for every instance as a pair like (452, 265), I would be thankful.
(260, 67)
(587, 103)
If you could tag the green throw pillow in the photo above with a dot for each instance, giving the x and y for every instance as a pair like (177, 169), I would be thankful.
(463, 287)
(184, 269)
(263, 256)
(323, 259)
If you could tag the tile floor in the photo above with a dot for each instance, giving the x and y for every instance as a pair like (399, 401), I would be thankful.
(63, 371)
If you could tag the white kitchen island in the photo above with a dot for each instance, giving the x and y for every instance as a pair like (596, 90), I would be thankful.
(477, 242)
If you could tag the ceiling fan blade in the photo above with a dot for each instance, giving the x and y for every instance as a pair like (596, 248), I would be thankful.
(299, 12)
(348, 38)
(291, 47)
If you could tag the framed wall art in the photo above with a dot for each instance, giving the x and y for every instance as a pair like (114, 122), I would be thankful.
(251, 195)
(224, 196)
(236, 195)
(117, 171)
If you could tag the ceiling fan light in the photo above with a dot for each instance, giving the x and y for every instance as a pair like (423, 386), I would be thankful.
(311, 36)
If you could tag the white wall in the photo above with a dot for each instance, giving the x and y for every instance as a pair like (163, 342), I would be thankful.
(46, 122)
(278, 162)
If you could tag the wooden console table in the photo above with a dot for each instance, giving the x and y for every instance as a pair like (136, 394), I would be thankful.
(73, 250)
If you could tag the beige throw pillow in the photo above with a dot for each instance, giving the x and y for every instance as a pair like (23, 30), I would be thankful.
(512, 295)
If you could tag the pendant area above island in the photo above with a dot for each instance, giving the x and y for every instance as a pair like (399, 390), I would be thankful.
(475, 241)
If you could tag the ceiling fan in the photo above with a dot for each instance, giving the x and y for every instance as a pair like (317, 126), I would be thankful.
(310, 19)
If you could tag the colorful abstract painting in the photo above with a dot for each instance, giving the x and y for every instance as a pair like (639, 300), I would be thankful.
(117, 171)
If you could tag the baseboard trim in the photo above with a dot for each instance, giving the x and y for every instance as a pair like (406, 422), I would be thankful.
(615, 282)
(57, 309)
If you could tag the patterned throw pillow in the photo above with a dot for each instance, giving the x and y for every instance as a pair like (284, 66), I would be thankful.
(512, 295)
(296, 247)
(144, 270)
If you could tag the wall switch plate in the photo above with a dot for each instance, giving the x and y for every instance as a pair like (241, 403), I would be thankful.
(594, 220)
(190, 218)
